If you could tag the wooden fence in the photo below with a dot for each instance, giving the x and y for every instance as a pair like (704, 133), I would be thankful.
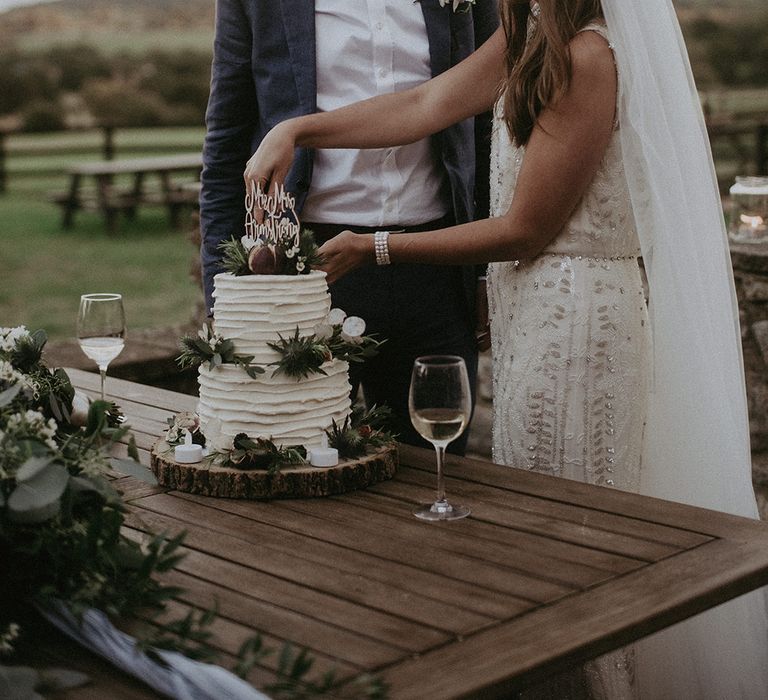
(104, 144)
(739, 142)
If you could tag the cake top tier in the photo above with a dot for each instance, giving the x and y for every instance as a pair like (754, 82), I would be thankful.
(252, 310)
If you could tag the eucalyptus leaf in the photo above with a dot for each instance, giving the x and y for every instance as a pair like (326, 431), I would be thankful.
(54, 405)
(9, 394)
(19, 683)
(83, 484)
(40, 338)
(135, 469)
(39, 498)
(32, 467)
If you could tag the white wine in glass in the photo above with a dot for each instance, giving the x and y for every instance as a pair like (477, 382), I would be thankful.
(101, 329)
(440, 405)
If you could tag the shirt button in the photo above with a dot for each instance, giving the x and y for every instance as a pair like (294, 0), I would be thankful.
(379, 26)
(383, 73)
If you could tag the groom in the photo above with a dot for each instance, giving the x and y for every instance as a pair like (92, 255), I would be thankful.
(278, 59)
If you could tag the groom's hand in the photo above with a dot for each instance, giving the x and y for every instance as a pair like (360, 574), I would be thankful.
(482, 328)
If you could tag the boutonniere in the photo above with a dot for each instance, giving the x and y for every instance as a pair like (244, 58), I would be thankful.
(458, 5)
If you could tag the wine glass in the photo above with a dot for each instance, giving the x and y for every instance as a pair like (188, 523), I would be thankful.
(440, 406)
(101, 329)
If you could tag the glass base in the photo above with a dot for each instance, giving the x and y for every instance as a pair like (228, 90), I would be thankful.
(441, 510)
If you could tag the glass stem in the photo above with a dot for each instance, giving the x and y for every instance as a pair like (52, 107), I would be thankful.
(103, 374)
(440, 451)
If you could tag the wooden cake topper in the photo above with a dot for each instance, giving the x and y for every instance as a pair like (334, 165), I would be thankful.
(270, 218)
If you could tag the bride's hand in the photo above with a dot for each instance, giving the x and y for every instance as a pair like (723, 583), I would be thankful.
(346, 252)
(269, 165)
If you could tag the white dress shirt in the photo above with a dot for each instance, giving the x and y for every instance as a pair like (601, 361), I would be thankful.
(367, 48)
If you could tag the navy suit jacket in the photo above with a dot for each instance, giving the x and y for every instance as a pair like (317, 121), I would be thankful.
(263, 72)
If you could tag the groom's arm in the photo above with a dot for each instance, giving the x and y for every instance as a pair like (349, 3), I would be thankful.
(231, 119)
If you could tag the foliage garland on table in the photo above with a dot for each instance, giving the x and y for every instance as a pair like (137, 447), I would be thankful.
(60, 530)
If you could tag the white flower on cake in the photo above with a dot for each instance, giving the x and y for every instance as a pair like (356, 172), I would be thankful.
(335, 317)
(323, 331)
(248, 243)
(352, 329)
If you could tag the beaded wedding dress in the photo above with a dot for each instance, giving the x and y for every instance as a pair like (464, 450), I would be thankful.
(571, 354)
(574, 374)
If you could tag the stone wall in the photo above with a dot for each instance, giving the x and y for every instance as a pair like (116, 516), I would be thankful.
(750, 269)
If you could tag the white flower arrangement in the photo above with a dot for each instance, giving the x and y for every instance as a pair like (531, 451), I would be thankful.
(9, 336)
(32, 425)
(179, 425)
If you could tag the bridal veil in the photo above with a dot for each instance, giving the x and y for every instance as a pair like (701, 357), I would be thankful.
(696, 447)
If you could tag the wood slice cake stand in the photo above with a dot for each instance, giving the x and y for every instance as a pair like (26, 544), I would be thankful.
(291, 482)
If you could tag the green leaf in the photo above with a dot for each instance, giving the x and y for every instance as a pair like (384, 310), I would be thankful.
(9, 394)
(38, 499)
(135, 469)
(84, 484)
(32, 467)
(133, 451)
(97, 417)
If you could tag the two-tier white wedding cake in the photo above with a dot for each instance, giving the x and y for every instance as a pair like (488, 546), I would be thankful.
(253, 310)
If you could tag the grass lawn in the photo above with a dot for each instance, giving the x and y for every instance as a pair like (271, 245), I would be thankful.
(44, 269)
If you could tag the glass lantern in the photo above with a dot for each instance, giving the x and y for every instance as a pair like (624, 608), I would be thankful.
(749, 210)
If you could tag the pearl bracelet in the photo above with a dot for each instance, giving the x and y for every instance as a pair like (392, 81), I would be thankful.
(381, 247)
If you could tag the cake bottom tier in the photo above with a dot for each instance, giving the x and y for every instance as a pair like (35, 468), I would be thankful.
(286, 410)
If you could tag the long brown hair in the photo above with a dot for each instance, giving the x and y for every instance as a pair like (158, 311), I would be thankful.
(538, 64)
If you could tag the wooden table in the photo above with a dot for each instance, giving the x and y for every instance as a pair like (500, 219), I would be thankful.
(544, 573)
(111, 199)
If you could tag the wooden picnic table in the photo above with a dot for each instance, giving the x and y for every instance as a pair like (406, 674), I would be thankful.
(546, 572)
(110, 199)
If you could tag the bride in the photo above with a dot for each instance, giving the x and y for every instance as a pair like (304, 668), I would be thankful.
(599, 156)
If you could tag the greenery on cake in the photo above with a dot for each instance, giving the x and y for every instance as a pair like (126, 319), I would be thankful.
(209, 347)
(338, 337)
(249, 256)
(363, 429)
(302, 356)
(62, 541)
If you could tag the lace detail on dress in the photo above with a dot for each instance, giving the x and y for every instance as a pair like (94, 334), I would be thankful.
(571, 357)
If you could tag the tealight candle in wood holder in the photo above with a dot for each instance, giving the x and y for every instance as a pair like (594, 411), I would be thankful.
(188, 453)
(323, 456)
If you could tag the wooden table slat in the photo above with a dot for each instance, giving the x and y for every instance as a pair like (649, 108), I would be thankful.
(478, 536)
(362, 551)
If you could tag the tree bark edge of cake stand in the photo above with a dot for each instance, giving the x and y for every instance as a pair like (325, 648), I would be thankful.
(256, 484)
